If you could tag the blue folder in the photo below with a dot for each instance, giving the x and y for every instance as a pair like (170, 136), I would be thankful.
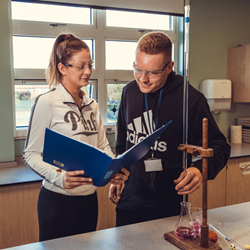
(69, 155)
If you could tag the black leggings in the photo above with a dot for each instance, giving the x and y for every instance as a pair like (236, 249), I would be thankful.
(61, 215)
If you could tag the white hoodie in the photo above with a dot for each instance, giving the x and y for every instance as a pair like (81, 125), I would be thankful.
(57, 111)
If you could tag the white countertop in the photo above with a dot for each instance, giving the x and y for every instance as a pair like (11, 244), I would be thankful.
(233, 221)
(239, 149)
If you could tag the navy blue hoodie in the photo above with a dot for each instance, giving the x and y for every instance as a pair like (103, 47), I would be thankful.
(133, 126)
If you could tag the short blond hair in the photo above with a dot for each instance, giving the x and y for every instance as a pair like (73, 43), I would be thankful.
(154, 43)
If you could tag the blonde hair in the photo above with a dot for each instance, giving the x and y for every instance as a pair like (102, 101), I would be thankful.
(65, 46)
(154, 43)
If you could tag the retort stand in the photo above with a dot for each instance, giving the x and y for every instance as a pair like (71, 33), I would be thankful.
(200, 242)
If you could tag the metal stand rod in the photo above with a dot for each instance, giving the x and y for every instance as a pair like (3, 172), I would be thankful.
(185, 89)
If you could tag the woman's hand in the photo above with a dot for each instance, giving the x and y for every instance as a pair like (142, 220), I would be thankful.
(72, 180)
(120, 178)
(189, 181)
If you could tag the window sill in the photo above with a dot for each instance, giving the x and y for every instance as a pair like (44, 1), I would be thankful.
(21, 133)
(17, 173)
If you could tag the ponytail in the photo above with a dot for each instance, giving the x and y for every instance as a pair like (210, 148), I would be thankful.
(65, 46)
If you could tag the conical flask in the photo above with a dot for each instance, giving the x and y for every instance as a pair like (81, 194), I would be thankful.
(185, 228)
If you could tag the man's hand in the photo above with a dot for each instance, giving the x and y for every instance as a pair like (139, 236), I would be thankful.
(120, 178)
(189, 181)
(72, 180)
(115, 189)
(115, 192)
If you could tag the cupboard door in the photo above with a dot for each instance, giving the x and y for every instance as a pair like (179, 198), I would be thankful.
(106, 209)
(216, 192)
(238, 71)
(18, 214)
(238, 185)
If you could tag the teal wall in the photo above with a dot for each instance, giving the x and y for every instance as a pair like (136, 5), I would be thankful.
(19, 146)
(7, 152)
(215, 26)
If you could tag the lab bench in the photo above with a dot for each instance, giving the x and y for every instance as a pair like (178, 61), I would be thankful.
(232, 221)
(20, 186)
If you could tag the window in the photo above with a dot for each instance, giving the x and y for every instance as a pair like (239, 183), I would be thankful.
(120, 55)
(114, 98)
(27, 91)
(128, 19)
(114, 40)
(25, 95)
(54, 13)
(36, 51)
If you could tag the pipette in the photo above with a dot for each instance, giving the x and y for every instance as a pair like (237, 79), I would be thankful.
(231, 241)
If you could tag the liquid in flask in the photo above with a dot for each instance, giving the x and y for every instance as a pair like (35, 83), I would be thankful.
(185, 228)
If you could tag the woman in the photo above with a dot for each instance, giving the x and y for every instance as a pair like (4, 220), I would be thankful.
(67, 202)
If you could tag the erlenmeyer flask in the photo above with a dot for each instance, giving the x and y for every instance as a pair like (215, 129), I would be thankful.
(185, 228)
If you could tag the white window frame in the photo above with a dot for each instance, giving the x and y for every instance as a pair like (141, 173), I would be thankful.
(100, 33)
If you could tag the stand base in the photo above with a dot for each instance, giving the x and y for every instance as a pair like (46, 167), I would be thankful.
(189, 244)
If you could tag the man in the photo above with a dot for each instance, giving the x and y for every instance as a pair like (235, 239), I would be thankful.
(155, 187)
